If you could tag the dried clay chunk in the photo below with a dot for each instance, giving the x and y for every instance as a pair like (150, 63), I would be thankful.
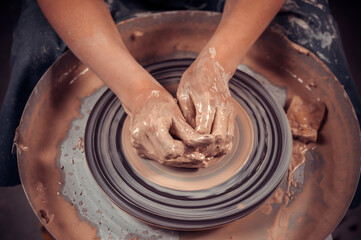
(305, 118)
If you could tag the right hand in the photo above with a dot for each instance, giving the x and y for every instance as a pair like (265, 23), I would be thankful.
(206, 102)
(157, 116)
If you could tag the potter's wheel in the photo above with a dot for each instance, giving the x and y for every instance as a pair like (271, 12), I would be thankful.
(70, 202)
(183, 198)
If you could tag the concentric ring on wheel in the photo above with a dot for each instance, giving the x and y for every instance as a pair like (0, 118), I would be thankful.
(172, 208)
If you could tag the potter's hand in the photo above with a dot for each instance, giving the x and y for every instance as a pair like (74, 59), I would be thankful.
(88, 29)
(153, 120)
(206, 103)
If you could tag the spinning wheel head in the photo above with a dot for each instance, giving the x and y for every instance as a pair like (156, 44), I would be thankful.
(186, 199)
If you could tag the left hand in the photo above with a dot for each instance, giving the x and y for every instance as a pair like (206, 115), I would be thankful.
(206, 102)
(154, 121)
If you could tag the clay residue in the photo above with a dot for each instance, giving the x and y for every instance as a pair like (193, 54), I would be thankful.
(45, 123)
(284, 197)
(135, 35)
(298, 159)
(18, 145)
(305, 118)
(80, 145)
(47, 218)
(266, 209)
(298, 155)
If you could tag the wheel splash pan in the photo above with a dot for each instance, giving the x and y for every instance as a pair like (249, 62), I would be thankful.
(61, 188)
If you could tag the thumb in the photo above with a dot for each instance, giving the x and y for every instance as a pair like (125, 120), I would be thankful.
(188, 135)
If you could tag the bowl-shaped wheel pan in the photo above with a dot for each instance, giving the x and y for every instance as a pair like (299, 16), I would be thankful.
(61, 189)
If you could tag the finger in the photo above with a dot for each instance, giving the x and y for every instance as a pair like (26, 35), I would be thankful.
(210, 151)
(220, 125)
(167, 147)
(144, 147)
(142, 143)
(185, 162)
(195, 156)
(190, 159)
(136, 139)
(204, 115)
(187, 134)
(224, 131)
(187, 107)
(228, 147)
(231, 126)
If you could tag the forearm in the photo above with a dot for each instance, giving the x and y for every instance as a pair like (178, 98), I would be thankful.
(243, 21)
(89, 31)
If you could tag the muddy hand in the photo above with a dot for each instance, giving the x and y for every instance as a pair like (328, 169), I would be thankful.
(206, 102)
(155, 118)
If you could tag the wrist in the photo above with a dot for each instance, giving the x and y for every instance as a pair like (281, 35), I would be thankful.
(138, 92)
(125, 77)
(241, 24)
(228, 60)
(220, 62)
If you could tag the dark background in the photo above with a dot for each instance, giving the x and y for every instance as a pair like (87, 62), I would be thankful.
(17, 221)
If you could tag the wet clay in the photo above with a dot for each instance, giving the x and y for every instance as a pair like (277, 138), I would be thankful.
(305, 118)
(209, 177)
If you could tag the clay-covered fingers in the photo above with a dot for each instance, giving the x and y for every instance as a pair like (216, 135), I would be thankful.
(197, 110)
(143, 150)
(189, 135)
(205, 112)
(185, 162)
(220, 125)
(231, 125)
(160, 138)
(187, 107)
(160, 132)
(152, 140)
(190, 159)
(223, 128)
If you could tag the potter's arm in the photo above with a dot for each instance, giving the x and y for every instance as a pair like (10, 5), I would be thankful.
(242, 23)
(88, 30)
(203, 92)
